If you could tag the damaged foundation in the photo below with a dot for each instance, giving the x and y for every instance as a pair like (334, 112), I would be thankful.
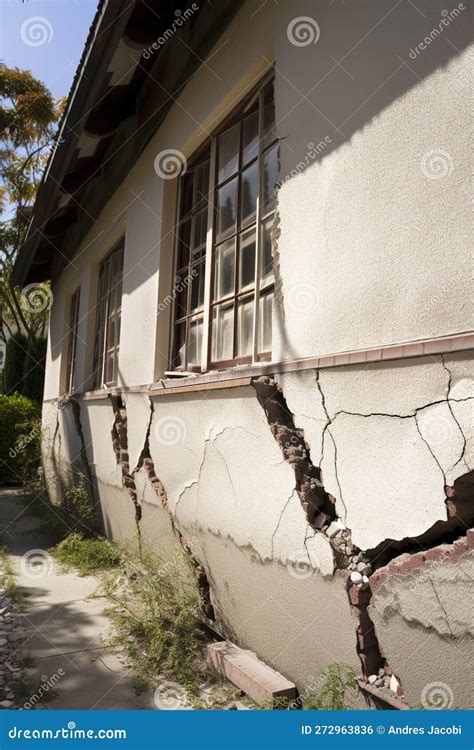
(364, 570)
(371, 576)
(145, 461)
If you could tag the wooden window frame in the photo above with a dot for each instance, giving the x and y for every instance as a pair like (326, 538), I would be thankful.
(103, 347)
(73, 323)
(252, 102)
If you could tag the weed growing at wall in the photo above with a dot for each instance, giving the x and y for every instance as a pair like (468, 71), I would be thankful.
(336, 687)
(157, 615)
(87, 555)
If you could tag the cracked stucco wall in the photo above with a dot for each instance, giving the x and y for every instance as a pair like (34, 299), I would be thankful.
(389, 439)
(215, 471)
(423, 602)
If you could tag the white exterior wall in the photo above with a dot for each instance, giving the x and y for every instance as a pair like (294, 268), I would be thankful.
(371, 251)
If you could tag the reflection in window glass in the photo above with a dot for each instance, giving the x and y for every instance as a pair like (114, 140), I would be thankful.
(223, 333)
(225, 265)
(270, 177)
(195, 340)
(267, 253)
(245, 313)
(265, 323)
(247, 259)
(250, 137)
(249, 194)
(227, 209)
(229, 152)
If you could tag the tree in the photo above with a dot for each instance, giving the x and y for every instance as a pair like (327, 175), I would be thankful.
(28, 123)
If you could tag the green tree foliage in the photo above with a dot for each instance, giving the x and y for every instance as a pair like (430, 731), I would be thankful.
(33, 369)
(28, 122)
(19, 438)
(15, 358)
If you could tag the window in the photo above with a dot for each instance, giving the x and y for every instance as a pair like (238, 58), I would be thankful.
(109, 305)
(72, 341)
(224, 268)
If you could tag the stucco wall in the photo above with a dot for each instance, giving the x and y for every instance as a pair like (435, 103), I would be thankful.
(369, 251)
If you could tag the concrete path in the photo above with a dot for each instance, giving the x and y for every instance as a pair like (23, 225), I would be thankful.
(65, 631)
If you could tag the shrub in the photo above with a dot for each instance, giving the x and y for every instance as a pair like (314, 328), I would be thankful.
(33, 369)
(15, 356)
(20, 436)
(335, 683)
(157, 615)
(87, 555)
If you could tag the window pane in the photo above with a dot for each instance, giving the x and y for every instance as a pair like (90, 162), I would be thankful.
(109, 367)
(178, 346)
(199, 232)
(224, 269)
(223, 332)
(267, 254)
(247, 259)
(265, 323)
(227, 209)
(195, 342)
(250, 137)
(184, 243)
(201, 181)
(244, 337)
(186, 194)
(270, 177)
(181, 304)
(228, 149)
(249, 194)
(197, 286)
(268, 116)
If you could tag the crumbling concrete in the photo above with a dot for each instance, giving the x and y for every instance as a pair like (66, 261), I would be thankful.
(281, 510)
(421, 600)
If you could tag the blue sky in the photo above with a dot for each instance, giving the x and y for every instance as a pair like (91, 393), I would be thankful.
(46, 37)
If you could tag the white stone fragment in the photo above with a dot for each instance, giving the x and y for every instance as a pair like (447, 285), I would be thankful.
(335, 528)
(394, 684)
(372, 678)
(356, 577)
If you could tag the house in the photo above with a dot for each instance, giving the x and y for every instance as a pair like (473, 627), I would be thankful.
(255, 225)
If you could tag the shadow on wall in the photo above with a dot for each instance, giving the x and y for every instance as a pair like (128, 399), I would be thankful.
(334, 75)
(336, 72)
(339, 70)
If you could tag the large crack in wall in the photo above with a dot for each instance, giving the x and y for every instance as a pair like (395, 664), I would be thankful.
(358, 565)
(145, 462)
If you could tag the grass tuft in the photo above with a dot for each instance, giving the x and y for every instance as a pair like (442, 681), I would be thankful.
(87, 555)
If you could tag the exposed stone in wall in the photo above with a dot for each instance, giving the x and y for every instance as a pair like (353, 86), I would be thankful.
(317, 504)
(353, 564)
(421, 600)
(120, 446)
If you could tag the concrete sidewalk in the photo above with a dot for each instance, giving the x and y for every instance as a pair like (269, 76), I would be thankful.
(65, 630)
